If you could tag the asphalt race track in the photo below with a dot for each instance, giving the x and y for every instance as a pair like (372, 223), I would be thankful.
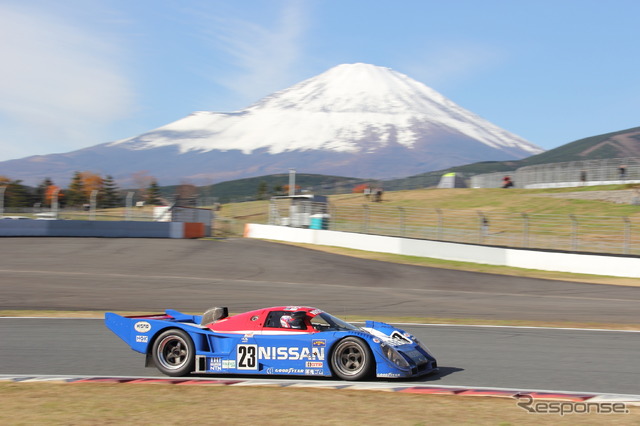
(148, 275)
(144, 275)
(538, 359)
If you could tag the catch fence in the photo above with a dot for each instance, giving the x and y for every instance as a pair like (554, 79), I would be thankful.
(575, 233)
(567, 174)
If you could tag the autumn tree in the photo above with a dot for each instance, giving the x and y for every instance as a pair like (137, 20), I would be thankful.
(296, 189)
(186, 195)
(41, 191)
(91, 182)
(359, 189)
(52, 193)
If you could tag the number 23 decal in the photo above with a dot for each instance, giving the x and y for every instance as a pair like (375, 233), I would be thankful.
(247, 357)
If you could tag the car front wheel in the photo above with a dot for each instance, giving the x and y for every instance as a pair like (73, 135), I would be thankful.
(351, 359)
(173, 353)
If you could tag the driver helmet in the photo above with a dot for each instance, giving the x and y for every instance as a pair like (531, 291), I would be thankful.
(288, 321)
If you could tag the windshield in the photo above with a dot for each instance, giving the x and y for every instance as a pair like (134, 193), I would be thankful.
(326, 322)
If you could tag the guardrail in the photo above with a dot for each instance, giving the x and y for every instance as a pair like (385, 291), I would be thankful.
(574, 233)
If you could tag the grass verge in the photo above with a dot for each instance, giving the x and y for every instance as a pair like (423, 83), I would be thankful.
(165, 404)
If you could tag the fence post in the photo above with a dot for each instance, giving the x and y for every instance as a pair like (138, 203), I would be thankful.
(332, 210)
(440, 222)
(574, 232)
(92, 204)
(483, 227)
(365, 222)
(129, 203)
(55, 206)
(627, 235)
(2, 189)
(525, 230)
(402, 221)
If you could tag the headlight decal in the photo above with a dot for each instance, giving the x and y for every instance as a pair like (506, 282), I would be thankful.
(394, 356)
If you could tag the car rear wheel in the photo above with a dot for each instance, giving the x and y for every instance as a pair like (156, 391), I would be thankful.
(173, 353)
(351, 359)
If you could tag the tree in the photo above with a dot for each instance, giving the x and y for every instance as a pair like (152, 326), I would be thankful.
(278, 190)
(296, 189)
(41, 191)
(75, 194)
(186, 195)
(142, 180)
(153, 194)
(92, 182)
(110, 197)
(52, 193)
(15, 194)
(262, 190)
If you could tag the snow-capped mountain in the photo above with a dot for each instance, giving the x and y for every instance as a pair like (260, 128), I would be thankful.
(354, 120)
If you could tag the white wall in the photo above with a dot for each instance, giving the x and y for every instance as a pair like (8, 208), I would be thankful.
(619, 266)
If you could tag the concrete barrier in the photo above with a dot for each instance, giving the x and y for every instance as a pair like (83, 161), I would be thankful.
(617, 266)
(107, 229)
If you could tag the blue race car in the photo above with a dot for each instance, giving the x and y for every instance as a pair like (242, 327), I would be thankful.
(285, 340)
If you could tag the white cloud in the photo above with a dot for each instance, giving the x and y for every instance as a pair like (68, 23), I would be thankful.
(265, 53)
(59, 83)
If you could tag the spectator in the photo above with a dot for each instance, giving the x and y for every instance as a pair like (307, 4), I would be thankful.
(507, 182)
(378, 194)
(622, 170)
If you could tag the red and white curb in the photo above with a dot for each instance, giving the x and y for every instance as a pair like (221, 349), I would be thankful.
(411, 388)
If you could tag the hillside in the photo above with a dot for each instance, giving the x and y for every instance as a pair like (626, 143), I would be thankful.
(271, 185)
(620, 144)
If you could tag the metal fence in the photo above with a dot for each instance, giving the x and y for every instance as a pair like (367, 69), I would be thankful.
(596, 234)
(72, 213)
(568, 174)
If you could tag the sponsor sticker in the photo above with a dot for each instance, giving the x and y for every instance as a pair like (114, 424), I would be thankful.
(313, 364)
(142, 326)
(388, 375)
(313, 372)
(228, 364)
(291, 370)
(317, 343)
(292, 353)
(215, 364)
(142, 339)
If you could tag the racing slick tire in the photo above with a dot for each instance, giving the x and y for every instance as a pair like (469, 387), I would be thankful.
(352, 359)
(173, 353)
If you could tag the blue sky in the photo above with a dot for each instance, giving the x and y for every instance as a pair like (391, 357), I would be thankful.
(76, 73)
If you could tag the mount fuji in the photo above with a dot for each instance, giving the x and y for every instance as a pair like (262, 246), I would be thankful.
(354, 120)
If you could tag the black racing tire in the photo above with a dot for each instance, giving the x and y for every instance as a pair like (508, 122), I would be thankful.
(352, 359)
(173, 353)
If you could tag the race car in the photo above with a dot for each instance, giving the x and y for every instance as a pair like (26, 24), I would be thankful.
(284, 340)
